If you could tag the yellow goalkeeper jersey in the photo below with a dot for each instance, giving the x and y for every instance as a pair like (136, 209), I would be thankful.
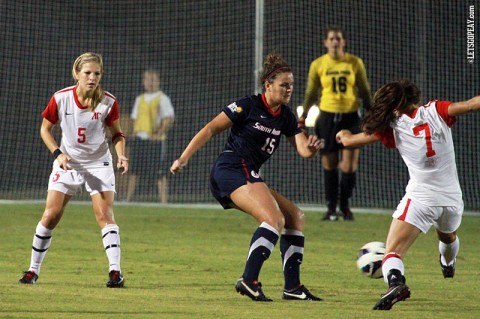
(338, 83)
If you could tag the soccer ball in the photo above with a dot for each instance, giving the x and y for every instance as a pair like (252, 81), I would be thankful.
(369, 259)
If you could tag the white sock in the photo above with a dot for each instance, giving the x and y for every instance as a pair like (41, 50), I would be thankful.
(391, 261)
(448, 252)
(40, 245)
(111, 243)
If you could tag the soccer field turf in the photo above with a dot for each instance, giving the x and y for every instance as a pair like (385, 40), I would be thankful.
(183, 263)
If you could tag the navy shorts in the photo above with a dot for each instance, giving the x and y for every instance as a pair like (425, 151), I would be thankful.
(229, 172)
(147, 157)
(329, 124)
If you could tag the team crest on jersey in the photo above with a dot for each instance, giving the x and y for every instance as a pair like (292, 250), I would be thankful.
(234, 108)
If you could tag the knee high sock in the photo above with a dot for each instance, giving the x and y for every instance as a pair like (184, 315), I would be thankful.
(448, 252)
(331, 188)
(393, 269)
(292, 244)
(347, 184)
(111, 243)
(261, 246)
(41, 243)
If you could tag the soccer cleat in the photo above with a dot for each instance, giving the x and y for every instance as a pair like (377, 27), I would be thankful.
(447, 271)
(394, 294)
(330, 216)
(347, 214)
(29, 278)
(115, 279)
(300, 293)
(252, 290)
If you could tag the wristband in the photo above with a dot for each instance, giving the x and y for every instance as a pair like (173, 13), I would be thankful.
(56, 153)
(118, 135)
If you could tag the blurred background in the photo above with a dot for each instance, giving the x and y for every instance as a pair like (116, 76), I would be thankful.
(205, 52)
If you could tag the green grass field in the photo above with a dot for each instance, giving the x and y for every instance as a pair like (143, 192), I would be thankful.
(183, 263)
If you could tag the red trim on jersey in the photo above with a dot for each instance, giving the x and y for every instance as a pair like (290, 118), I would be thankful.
(245, 169)
(269, 109)
(386, 138)
(405, 211)
(83, 107)
(442, 109)
(390, 255)
(51, 111)
(113, 115)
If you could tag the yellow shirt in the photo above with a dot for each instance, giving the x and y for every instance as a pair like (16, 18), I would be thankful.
(338, 83)
(147, 115)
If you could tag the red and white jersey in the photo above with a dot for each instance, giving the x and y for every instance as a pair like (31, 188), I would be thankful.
(83, 131)
(424, 140)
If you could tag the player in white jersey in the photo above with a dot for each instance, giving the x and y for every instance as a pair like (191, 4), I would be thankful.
(422, 135)
(84, 112)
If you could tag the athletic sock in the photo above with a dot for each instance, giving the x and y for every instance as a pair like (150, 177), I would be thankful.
(448, 252)
(261, 246)
(393, 269)
(347, 184)
(292, 244)
(331, 188)
(40, 245)
(111, 243)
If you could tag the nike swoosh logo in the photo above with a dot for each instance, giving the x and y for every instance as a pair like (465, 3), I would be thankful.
(302, 296)
(253, 293)
(263, 117)
(68, 113)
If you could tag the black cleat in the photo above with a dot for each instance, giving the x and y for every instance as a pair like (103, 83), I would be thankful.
(394, 294)
(447, 271)
(330, 216)
(29, 278)
(252, 290)
(347, 214)
(115, 279)
(300, 293)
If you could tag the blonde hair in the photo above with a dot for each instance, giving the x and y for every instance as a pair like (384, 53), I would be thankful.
(88, 57)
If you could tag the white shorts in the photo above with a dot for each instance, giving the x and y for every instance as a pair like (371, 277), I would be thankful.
(96, 179)
(446, 219)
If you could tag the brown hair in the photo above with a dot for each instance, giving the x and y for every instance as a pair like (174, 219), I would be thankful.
(272, 66)
(334, 28)
(88, 57)
(389, 102)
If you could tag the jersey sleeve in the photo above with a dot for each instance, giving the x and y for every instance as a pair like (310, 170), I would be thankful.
(387, 138)
(442, 109)
(113, 115)
(51, 111)
(237, 111)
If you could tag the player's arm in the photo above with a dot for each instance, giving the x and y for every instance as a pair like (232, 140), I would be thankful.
(364, 90)
(219, 124)
(165, 125)
(459, 108)
(350, 140)
(118, 139)
(51, 143)
(312, 91)
(306, 146)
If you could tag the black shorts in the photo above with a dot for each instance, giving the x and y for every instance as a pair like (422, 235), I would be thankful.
(329, 124)
(146, 157)
(229, 172)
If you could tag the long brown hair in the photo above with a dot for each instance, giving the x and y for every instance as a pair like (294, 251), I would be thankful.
(272, 66)
(389, 102)
(88, 57)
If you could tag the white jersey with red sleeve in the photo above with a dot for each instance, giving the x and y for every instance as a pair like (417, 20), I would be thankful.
(83, 131)
(424, 140)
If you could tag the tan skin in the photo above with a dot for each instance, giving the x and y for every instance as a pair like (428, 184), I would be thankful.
(402, 234)
(102, 203)
(257, 199)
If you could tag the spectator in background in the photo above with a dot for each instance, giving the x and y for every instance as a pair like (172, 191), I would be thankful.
(423, 137)
(256, 125)
(339, 79)
(153, 116)
(83, 112)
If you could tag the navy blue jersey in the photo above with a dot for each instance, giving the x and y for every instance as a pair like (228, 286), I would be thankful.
(256, 130)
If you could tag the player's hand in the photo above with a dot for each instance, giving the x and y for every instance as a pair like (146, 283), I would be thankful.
(314, 142)
(342, 134)
(63, 160)
(122, 164)
(177, 166)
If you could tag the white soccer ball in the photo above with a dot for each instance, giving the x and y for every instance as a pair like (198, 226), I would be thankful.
(369, 259)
